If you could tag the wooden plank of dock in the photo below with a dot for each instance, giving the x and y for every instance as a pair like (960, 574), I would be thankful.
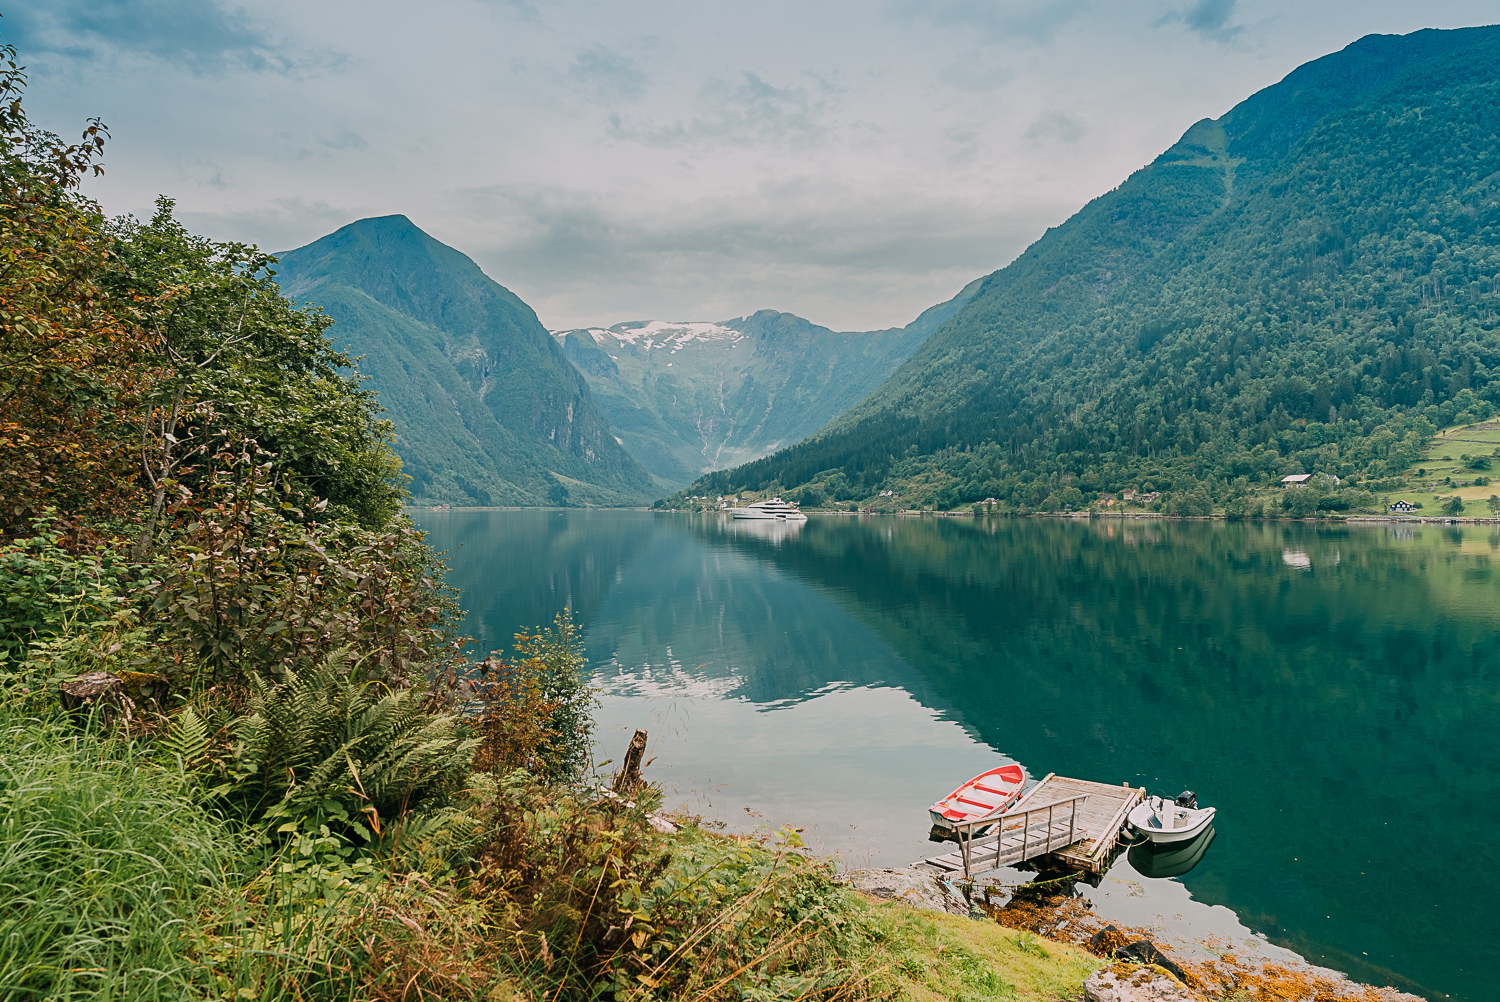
(1103, 814)
(1096, 832)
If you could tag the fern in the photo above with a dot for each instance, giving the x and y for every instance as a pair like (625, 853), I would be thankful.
(320, 737)
(187, 739)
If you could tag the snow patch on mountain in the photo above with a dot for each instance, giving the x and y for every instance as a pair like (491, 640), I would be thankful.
(649, 334)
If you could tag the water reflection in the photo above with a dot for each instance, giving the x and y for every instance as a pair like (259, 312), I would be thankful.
(1292, 691)
(1170, 859)
(774, 530)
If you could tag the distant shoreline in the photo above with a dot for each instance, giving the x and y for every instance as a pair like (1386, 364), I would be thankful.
(1151, 515)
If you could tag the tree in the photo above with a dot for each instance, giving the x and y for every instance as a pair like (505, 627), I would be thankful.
(238, 361)
(1300, 502)
(71, 373)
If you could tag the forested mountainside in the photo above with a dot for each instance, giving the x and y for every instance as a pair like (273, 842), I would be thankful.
(1308, 283)
(487, 411)
(686, 398)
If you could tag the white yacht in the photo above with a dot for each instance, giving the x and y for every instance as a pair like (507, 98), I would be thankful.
(770, 508)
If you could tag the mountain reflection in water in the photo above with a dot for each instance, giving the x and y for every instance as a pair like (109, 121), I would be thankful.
(1323, 703)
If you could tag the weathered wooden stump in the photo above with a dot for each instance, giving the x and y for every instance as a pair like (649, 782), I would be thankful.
(101, 688)
(114, 694)
(629, 776)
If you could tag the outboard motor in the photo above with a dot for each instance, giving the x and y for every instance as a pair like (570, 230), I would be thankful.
(1188, 799)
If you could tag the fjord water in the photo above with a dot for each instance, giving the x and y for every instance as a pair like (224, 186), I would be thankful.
(1333, 690)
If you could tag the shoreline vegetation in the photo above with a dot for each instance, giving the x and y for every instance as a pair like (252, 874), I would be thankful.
(1438, 486)
(242, 756)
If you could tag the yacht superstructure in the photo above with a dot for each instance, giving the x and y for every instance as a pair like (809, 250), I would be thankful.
(770, 508)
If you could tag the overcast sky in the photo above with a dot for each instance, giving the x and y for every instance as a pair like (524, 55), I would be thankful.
(852, 162)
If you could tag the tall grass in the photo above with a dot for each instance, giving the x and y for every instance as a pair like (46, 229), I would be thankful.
(105, 863)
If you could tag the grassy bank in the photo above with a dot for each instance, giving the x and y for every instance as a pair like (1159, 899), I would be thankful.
(122, 879)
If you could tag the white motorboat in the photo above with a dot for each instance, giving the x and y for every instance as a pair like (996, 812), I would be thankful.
(770, 508)
(1163, 820)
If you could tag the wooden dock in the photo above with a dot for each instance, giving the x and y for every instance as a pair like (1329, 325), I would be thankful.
(1075, 821)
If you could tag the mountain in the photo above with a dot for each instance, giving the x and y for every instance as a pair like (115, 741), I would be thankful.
(686, 398)
(1309, 283)
(486, 408)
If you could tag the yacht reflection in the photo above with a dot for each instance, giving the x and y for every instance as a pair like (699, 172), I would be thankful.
(1170, 859)
(773, 530)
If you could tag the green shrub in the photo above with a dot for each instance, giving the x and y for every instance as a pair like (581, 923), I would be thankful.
(1300, 502)
(247, 587)
(535, 711)
(48, 589)
(105, 862)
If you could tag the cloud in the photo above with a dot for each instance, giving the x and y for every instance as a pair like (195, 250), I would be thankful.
(1035, 22)
(199, 35)
(1056, 126)
(281, 225)
(343, 139)
(1208, 18)
(859, 259)
(607, 75)
(751, 112)
(964, 144)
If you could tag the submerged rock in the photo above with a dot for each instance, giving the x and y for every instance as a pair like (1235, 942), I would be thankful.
(1123, 983)
(918, 888)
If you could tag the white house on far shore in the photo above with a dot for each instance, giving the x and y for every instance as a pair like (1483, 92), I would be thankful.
(1296, 480)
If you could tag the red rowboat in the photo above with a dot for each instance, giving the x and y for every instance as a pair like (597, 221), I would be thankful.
(986, 794)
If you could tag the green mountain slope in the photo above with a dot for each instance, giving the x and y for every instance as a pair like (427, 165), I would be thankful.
(486, 408)
(1307, 283)
(686, 398)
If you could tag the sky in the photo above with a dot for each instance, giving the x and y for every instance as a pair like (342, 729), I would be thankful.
(850, 162)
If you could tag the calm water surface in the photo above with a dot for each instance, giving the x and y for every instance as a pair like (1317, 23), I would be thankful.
(1333, 691)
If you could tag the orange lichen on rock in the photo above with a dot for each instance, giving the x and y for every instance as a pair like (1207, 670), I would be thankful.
(1052, 911)
(1272, 982)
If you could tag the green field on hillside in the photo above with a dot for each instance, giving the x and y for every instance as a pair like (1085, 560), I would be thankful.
(1458, 461)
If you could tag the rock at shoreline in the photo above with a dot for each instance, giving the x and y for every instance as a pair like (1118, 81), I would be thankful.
(914, 887)
(1122, 983)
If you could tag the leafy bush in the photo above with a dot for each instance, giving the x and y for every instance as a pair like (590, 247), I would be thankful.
(1300, 502)
(535, 711)
(48, 588)
(734, 919)
(247, 587)
(601, 904)
(1193, 502)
